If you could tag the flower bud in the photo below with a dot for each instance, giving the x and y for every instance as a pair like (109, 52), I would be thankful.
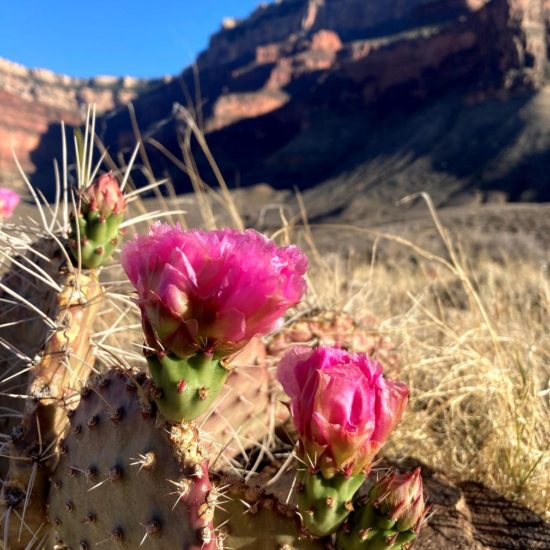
(342, 406)
(391, 517)
(9, 199)
(103, 196)
(400, 498)
(95, 226)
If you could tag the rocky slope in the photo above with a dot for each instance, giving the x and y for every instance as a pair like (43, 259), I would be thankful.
(310, 91)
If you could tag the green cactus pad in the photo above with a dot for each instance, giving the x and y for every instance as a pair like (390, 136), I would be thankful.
(367, 529)
(187, 387)
(325, 503)
(250, 519)
(99, 238)
(124, 476)
(245, 413)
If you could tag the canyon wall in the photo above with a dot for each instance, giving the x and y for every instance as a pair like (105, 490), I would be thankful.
(267, 80)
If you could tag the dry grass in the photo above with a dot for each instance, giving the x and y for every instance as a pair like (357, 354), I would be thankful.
(472, 336)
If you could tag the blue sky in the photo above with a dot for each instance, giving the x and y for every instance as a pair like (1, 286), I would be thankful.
(116, 37)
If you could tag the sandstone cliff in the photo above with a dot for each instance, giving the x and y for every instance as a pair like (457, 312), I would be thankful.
(286, 95)
(33, 99)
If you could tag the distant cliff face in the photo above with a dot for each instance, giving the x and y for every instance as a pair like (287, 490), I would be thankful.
(33, 99)
(281, 90)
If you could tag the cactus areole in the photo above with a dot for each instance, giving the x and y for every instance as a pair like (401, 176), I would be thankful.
(95, 227)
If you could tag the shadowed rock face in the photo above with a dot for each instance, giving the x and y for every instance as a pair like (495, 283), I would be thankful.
(288, 94)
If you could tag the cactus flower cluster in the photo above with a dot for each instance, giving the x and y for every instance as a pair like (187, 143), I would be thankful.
(96, 226)
(9, 200)
(344, 410)
(203, 295)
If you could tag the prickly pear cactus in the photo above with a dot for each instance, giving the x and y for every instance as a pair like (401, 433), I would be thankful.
(123, 478)
(336, 328)
(122, 460)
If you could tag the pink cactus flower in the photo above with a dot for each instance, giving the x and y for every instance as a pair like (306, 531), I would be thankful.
(342, 406)
(103, 195)
(400, 497)
(211, 291)
(9, 199)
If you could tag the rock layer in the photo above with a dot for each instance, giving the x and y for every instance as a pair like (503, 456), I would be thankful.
(31, 100)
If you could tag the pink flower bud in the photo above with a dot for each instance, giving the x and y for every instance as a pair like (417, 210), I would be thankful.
(9, 199)
(211, 291)
(400, 497)
(103, 196)
(342, 406)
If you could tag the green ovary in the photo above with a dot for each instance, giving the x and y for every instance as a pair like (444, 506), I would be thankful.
(188, 387)
(325, 503)
(98, 239)
(369, 530)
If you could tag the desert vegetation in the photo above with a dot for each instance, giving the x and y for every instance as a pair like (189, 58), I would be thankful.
(464, 328)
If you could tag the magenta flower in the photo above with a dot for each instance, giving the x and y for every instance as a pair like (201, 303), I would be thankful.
(103, 196)
(211, 291)
(342, 406)
(9, 199)
(400, 497)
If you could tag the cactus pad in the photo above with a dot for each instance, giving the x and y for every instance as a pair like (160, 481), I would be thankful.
(123, 479)
(332, 328)
(247, 409)
(249, 518)
(64, 364)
